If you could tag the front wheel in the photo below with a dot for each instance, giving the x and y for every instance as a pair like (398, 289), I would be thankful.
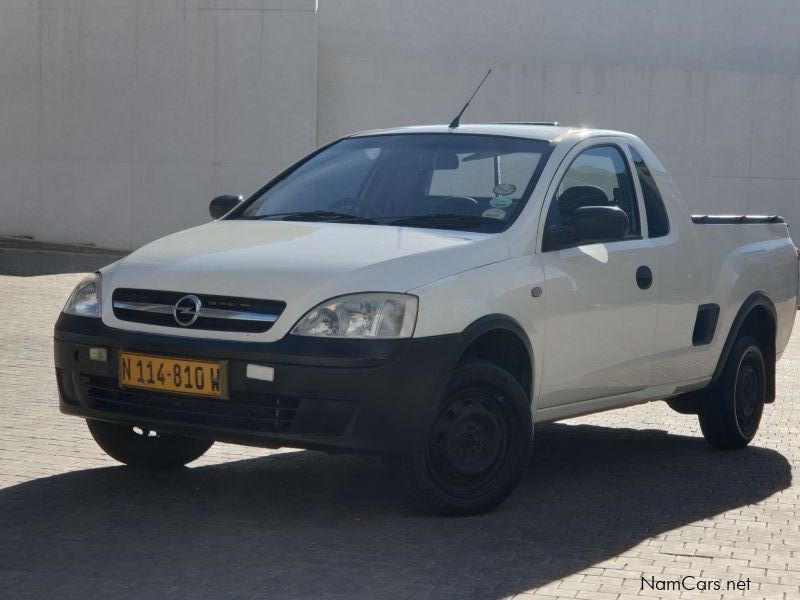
(731, 412)
(479, 444)
(139, 447)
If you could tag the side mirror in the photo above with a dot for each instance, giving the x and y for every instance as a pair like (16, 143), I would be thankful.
(222, 205)
(600, 223)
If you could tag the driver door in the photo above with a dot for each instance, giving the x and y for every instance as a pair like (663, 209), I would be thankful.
(601, 314)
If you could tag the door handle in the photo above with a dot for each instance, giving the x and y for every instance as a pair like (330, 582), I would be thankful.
(644, 277)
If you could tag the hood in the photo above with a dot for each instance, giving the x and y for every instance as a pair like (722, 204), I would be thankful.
(299, 263)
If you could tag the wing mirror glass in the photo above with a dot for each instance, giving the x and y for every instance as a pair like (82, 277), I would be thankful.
(222, 205)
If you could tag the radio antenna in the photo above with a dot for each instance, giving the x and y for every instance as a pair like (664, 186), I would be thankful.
(455, 122)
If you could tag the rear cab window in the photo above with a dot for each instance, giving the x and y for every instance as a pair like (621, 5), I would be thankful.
(657, 219)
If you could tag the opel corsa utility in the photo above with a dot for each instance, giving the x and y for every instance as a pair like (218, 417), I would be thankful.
(433, 293)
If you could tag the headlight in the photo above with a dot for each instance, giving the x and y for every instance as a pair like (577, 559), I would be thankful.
(370, 315)
(85, 298)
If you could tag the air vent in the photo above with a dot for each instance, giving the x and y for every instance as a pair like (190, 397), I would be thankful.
(705, 324)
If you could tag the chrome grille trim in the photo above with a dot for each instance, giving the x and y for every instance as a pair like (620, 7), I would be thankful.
(165, 309)
(213, 313)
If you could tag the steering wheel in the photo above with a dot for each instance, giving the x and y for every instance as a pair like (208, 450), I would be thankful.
(358, 209)
(460, 205)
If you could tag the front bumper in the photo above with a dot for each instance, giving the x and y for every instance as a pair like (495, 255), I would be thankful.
(373, 396)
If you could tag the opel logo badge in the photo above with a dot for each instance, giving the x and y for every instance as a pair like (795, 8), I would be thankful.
(186, 310)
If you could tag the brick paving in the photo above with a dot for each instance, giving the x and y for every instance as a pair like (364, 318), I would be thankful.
(607, 500)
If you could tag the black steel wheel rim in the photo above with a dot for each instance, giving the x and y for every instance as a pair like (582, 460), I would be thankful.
(748, 394)
(471, 438)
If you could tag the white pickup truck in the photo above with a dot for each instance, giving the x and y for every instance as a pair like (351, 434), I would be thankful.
(433, 293)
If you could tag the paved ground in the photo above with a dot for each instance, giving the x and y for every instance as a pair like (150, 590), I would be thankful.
(607, 500)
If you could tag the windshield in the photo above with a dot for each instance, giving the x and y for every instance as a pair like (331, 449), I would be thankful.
(451, 181)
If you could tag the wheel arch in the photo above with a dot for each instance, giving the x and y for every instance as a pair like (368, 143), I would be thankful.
(758, 317)
(502, 340)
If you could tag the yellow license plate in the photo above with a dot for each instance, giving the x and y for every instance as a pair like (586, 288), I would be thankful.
(174, 375)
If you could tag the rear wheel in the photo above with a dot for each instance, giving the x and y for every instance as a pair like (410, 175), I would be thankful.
(731, 412)
(478, 446)
(138, 447)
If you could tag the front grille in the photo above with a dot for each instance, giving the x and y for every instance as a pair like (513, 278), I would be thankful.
(218, 313)
(254, 411)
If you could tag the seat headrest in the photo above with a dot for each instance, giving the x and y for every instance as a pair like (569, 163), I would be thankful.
(586, 195)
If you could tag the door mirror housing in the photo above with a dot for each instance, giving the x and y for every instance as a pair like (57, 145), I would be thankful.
(222, 205)
(600, 224)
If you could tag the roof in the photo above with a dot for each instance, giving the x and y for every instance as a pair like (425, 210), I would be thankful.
(550, 133)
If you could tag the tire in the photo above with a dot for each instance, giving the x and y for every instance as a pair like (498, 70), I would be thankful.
(138, 447)
(478, 446)
(731, 412)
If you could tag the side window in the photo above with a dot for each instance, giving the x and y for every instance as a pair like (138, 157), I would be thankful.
(599, 176)
(657, 219)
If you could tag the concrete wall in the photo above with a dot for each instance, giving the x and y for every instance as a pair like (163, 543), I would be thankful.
(712, 85)
(120, 119)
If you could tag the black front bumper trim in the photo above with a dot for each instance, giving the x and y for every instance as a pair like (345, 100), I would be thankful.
(374, 396)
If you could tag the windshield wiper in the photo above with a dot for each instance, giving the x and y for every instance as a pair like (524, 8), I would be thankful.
(443, 220)
(316, 215)
(446, 219)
